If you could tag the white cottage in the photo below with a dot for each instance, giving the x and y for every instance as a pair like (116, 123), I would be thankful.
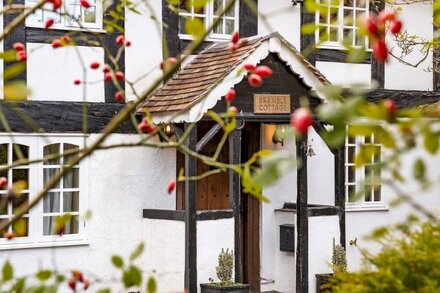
(280, 246)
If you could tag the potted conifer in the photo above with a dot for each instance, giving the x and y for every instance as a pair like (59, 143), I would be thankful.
(339, 265)
(224, 273)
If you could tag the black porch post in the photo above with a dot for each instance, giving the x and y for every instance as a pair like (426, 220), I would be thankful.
(235, 194)
(340, 191)
(191, 215)
(302, 249)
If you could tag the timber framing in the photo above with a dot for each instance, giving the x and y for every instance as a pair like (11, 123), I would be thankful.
(66, 117)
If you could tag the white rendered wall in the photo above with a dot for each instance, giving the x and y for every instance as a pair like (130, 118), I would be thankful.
(51, 73)
(281, 17)
(212, 236)
(320, 172)
(145, 53)
(165, 253)
(346, 74)
(122, 182)
(417, 19)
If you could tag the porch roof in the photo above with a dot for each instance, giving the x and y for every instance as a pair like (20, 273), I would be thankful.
(209, 75)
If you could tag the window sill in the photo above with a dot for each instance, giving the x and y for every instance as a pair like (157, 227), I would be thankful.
(208, 39)
(49, 244)
(69, 28)
(366, 208)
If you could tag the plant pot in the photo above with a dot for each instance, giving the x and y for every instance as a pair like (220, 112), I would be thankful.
(214, 288)
(321, 280)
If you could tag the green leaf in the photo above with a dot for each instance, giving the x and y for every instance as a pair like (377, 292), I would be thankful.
(334, 138)
(215, 117)
(9, 55)
(229, 127)
(194, 27)
(117, 261)
(151, 285)
(199, 4)
(19, 285)
(106, 290)
(7, 272)
(174, 2)
(43, 275)
(137, 252)
(356, 55)
(419, 170)
(308, 28)
(14, 70)
(132, 277)
(385, 138)
(16, 91)
(430, 141)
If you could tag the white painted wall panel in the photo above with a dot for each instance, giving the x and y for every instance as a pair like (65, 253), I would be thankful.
(281, 17)
(417, 20)
(143, 57)
(346, 74)
(212, 236)
(51, 72)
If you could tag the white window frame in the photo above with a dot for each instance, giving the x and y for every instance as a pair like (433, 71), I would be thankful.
(208, 17)
(64, 22)
(340, 25)
(360, 182)
(35, 236)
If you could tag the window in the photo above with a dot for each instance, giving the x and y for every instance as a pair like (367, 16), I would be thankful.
(208, 14)
(362, 185)
(338, 22)
(67, 197)
(75, 16)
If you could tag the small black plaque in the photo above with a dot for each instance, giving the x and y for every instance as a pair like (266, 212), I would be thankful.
(287, 238)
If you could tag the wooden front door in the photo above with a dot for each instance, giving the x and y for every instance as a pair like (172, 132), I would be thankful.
(250, 209)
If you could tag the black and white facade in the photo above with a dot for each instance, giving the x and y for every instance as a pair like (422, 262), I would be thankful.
(125, 188)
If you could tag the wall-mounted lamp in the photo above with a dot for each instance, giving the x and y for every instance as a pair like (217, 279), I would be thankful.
(167, 131)
(279, 135)
(310, 150)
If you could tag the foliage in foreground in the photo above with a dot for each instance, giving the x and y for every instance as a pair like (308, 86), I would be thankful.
(408, 262)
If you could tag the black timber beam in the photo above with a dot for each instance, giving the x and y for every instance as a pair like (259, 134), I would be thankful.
(340, 192)
(404, 99)
(214, 215)
(302, 253)
(37, 116)
(191, 215)
(170, 215)
(235, 191)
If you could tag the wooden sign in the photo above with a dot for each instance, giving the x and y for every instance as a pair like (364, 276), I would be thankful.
(271, 104)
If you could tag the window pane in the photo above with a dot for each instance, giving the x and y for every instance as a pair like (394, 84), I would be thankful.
(90, 15)
(218, 6)
(377, 193)
(182, 21)
(368, 193)
(219, 28)
(351, 170)
(70, 202)
(348, 3)
(348, 35)
(70, 147)
(51, 202)
(231, 11)
(74, 12)
(229, 29)
(4, 204)
(20, 175)
(333, 34)
(48, 225)
(21, 227)
(351, 193)
(19, 151)
(71, 179)
(3, 154)
(72, 226)
(48, 174)
(51, 150)
(19, 200)
(2, 222)
(350, 154)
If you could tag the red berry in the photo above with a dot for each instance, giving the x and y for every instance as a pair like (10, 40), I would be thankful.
(77, 82)
(84, 3)
(171, 186)
(390, 106)
(127, 43)
(72, 284)
(380, 51)
(164, 65)
(263, 71)
(3, 182)
(255, 80)
(106, 68)
(249, 67)
(230, 95)
(77, 275)
(56, 43)
(235, 37)
(119, 76)
(120, 40)
(232, 111)
(21, 56)
(232, 47)
(49, 23)
(94, 65)
(370, 25)
(395, 27)
(8, 235)
(146, 127)
(56, 4)
(119, 96)
(301, 119)
(66, 40)
(18, 46)
(86, 284)
(108, 76)
(385, 16)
